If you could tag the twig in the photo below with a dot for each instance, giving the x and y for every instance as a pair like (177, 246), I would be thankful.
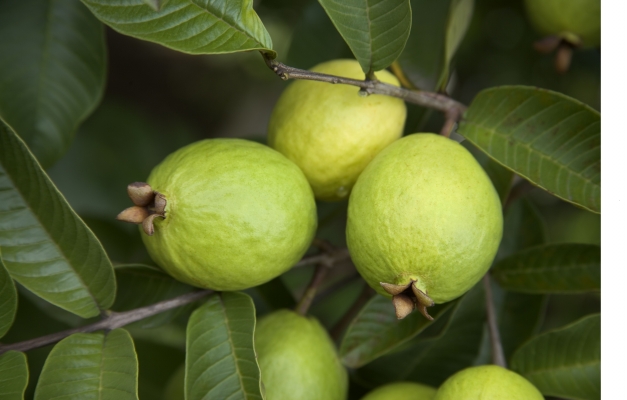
(498, 356)
(112, 321)
(305, 302)
(432, 100)
(343, 323)
(324, 258)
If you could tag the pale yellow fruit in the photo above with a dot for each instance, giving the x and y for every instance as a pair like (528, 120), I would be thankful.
(330, 131)
(402, 391)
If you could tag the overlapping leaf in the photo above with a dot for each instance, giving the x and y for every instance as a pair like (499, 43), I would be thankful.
(91, 365)
(523, 227)
(376, 331)
(375, 30)
(45, 246)
(565, 362)
(13, 375)
(221, 361)
(52, 71)
(189, 26)
(501, 177)
(8, 299)
(550, 139)
(555, 268)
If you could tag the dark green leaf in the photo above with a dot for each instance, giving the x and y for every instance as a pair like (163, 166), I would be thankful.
(376, 331)
(523, 227)
(142, 285)
(92, 365)
(221, 361)
(45, 246)
(546, 137)
(459, 16)
(155, 4)
(376, 31)
(13, 375)
(276, 294)
(52, 71)
(565, 362)
(501, 177)
(555, 268)
(8, 299)
(519, 316)
(189, 26)
(433, 359)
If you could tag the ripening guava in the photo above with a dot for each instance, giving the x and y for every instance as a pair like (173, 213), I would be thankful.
(424, 222)
(330, 131)
(297, 359)
(402, 391)
(235, 214)
(576, 21)
(487, 382)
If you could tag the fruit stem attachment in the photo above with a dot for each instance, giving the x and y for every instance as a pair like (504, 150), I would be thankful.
(498, 356)
(149, 205)
(408, 297)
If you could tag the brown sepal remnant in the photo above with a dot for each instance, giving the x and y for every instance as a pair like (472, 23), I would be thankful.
(563, 51)
(149, 205)
(408, 297)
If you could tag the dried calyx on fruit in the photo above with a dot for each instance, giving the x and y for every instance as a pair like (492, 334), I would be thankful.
(408, 297)
(148, 206)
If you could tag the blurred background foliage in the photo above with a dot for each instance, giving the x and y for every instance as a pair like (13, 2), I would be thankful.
(158, 100)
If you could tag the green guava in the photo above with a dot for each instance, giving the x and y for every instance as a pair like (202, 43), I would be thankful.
(237, 214)
(297, 359)
(576, 21)
(330, 131)
(487, 382)
(402, 391)
(424, 222)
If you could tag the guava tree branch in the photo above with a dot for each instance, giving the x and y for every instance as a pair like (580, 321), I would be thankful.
(452, 109)
(498, 356)
(112, 321)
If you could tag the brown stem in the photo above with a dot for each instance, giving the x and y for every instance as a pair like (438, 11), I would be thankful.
(305, 302)
(498, 356)
(324, 258)
(347, 318)
(112, 321)
(432, 100)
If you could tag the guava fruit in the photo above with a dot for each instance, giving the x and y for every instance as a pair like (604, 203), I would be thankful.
(226, 214)
(402, 391)
(330, 131)
(424, 222)
(487, 382)
(297, 359)
(576, 21)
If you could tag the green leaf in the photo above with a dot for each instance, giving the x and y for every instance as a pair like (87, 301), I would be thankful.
(221, 361)
(142, 285)
(276, 294)
(501, 177)
(432, 360)
(375, 30)
(8, 299)
(189, 26)
(554, 268)
(523, 227)
(519, 317)
(52, 71)
(14, 373)
(155, 4)
(92, 365)
(546, 137)
(45, 246)
(375, 331)
(565, 362)
(437, 29)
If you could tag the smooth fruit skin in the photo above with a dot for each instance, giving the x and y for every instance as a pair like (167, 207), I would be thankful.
(424, 210)
(238, 214)
(578, 21)
(487, 382)
(330, 131)
(297, 359)
(402, 391)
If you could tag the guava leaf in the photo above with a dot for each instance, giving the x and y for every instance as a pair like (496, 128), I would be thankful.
(500, 176)
(546, 137)
(523, 227)
(14, 373)
(91, 365)
(564, 362)
(438, 28)
(155, 4)
(554, 268)
(276, 294)
(375, 331)
(52, 71)
(189, 26)
(8, 299)
(46, 247)
(375, 30)
(221, 362)
(432, 359)
(142, 285)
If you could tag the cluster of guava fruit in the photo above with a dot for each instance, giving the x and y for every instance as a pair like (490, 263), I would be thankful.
(424, 224)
